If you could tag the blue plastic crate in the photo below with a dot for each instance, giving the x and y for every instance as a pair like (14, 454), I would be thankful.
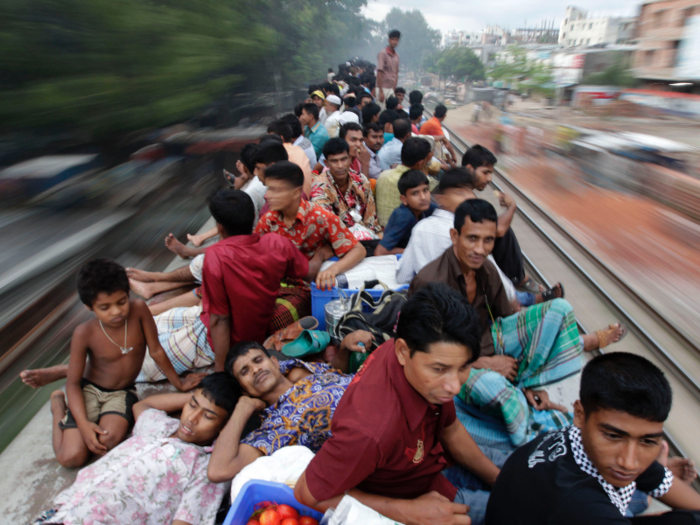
(256, 491)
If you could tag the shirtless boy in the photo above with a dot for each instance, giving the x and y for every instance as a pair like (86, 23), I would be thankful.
(101, 389)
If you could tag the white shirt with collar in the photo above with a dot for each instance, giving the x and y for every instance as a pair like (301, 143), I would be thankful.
(332, 124)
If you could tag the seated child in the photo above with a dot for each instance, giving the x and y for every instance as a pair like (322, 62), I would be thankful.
(101, 389)
(588, 472)
(414, 188)
(159, 475)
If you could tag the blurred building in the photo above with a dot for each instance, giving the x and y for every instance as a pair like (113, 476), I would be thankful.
(578, 30)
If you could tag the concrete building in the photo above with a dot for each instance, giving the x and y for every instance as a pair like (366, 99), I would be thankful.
(577, 30)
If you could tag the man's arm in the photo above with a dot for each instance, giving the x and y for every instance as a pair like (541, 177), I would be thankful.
(230, 455)
(168, 403)
(220, 329)
(365, 160)
(464, 450)
(326, 278)
(681, 496)
(506, 218)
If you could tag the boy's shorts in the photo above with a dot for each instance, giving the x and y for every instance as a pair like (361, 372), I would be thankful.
(101, 401)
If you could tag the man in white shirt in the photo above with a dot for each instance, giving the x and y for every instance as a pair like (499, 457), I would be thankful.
(332, 108)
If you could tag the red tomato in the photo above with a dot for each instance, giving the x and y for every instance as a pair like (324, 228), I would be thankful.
(289, 521)
(285, 511)
(270, 517)
(307, 520)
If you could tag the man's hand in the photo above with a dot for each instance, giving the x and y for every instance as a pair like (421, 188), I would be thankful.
(505, 200)
(191, 381)
(503, 364)
(325, 280)
(251, 404)
(90, 432)
(435, 509)
(381, 94)
(358, 341)
(364, 155)
(539, 399)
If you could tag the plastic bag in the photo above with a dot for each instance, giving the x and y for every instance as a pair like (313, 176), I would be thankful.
(351, 512)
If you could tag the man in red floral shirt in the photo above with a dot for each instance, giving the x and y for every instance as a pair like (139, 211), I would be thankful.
(317, 232)
(347, 193)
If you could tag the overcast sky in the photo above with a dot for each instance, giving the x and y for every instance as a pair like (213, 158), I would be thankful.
(447, 15)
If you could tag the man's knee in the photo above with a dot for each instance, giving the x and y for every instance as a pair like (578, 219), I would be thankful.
(561, 306)
(73, 457)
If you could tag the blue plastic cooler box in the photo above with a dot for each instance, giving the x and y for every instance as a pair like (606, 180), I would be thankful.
(256, 491)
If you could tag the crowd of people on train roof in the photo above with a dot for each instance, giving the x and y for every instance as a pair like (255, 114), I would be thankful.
(441, 418)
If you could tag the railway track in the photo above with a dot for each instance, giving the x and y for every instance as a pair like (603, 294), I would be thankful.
(600, 296)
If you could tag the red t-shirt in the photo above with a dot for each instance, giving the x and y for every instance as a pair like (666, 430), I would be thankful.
(385, 437)
(241, 277)
(432, 127)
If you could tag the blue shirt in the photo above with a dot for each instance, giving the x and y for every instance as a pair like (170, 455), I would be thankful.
(318, 135)
(390, 154)
(398, 230)
(388, 137)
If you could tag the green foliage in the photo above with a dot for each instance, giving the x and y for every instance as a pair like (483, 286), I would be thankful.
(418, 39)
(617, 74)
(515, 67)
(458, 62)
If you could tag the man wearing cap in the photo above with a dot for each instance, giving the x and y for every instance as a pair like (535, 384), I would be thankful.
(319, 98)
(388, 69)
(332, 122)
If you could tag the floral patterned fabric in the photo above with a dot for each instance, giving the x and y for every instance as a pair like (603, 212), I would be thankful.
(302, 415)
(356, 205)
(314, 226)
(151, 478)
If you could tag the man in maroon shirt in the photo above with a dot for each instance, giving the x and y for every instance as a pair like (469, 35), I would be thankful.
(388, 69)
(390, 455)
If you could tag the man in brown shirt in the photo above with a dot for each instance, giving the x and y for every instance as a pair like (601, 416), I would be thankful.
(388, 69)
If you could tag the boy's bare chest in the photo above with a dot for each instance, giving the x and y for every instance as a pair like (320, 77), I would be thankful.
(110, 345)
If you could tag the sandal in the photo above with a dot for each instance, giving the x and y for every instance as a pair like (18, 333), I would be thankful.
(288, 334)
(604, 335)
(530, 286)
(548, 295)
(308, 342)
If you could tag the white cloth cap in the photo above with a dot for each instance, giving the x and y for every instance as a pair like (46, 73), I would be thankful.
(349, 116)
(334, 99)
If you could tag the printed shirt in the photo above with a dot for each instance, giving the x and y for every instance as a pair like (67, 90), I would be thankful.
(388, 64)
(302, 415)
(151, 478)
(385, 437)
(318, 136)
(313, 227)
(357, 200)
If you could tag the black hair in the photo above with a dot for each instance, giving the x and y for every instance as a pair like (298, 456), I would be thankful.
(388, 115)
(416, 111)
(354, 81)
(369, 79)
(330, 70)
(392, 103)
(298, 108)
(248, 153)
(241, 349)
(350, 126)
(281, 128)
(626, 383)
(101, 276)
(402, 128)
(371, 126)
(438, 314)
(311, 109)
(369, 111)
(288, 171)
(394, 33)
(412, 179)
(314, 87)
(415, 97)
(414, 150)
(234, 210)
(222, 390)
(269, 152)
(478, 210)
(478, 156)
(440, 111)
(350, 102)
(400, 90)
(364, 94)
(456, 178)
(330, 86)
(335, 146)
(271, 137)
(294, 124)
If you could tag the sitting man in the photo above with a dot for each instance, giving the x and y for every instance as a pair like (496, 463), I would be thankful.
(317, 232)
(352, 134)
(415, 155)
(397, 419)
(297, 400)
(374, 140)
(587, 473)
(159, 475)
(416, 205)
(313, 128)
(346, 193)
(332, 123)
(390, 154)
(294, 153)
(519, 352)
(433, 127)
(298, 138)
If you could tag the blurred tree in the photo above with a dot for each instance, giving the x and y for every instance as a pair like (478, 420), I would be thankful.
(618, 74)
(458, 62)
(515, 67)
(418, 39)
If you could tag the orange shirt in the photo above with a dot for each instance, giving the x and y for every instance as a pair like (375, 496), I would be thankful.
(432, 127)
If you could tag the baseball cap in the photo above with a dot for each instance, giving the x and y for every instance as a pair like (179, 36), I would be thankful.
(318, 93)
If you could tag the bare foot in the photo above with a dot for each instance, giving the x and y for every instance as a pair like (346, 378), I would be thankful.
(43, 376)
(141, 289)
(58, 404)
(605, 337)
(196, 240)
(140, 275)
(177, 247)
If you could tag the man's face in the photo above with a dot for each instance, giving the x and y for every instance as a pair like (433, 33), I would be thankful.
(256, 373)
(112, 308)
(620, 445)
(305, 118)
(474, 243)
(400, 96)
(331, 108)
(201, 420)
(482, 176)
(339, 164)
(374, 140)
(354, 140)
(280, 194)
(438, 374)
(417, 198)
(260, 171)
(318, 101)
(393, 42)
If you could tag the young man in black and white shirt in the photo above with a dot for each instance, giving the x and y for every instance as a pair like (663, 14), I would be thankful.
(587, 473)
